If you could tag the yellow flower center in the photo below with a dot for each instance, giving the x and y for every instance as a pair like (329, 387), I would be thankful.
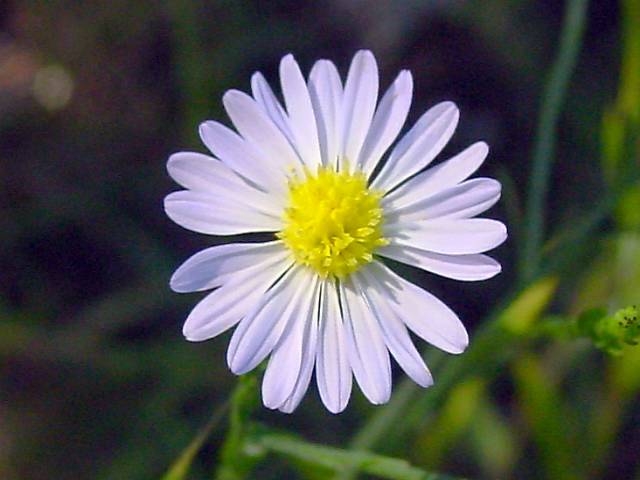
(333, 223)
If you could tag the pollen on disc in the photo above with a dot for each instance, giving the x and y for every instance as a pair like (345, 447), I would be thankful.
(333, 222)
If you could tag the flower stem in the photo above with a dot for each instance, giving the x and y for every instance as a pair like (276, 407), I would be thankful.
(192, 64)
(393, 422)
(180, 468)
(336, 459)
(546, 135)
(235, 461)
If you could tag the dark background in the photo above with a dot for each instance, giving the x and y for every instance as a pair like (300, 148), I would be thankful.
(96, 380)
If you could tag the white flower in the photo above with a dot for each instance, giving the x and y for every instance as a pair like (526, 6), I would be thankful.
(319, 294)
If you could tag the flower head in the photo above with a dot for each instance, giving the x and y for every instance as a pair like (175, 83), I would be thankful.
(319, 295)
(610, 333)
(333, 223)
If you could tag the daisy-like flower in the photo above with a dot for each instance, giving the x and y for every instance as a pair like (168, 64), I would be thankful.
(319, 295)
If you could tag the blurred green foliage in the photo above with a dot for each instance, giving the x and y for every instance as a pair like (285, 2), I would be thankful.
(610, 333)
(97, 381)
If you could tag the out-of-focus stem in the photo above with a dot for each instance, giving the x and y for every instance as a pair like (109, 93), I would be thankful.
(544, 149)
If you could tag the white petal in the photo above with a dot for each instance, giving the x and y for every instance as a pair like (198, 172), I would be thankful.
(310, 345)
(325, 90)
(261, 329)
(437, 178)
(459, 267)
(359, 103)
(368, 354)
(423, 313)
(205, 213)
(302, 118)
(257, 128)
(241, 156)
(226, 306)
(419, 146)
(393, 329)
(387, 122)
(207, 268)
(464, 200)
(333, 373)
(451, 237)
(206, 174)
(285, 362)
(196, 171)
(267, 100)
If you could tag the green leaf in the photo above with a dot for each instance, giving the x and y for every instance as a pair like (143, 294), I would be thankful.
(458, 413)
(519, 317)
(548, 418)
(494, 440)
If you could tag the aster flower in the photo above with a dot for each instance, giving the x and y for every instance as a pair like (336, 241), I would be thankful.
(319, 296)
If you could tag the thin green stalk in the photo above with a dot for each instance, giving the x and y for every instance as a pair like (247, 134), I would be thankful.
(193, 66)
(546, 135)
(488, 350)
(180, 468)
(336, 459)
(512, 204)
(390, 415)
(393, 422)
(559, 253)
(236, 460)
(629, 93)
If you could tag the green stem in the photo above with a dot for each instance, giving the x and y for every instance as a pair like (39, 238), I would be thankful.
(394, 422)
(391, 414)
(489, 351)
(180, 468)
(560, 253)
(336, 459)
(192, 64)
(552, 101)
(236, 460)
(629, 93)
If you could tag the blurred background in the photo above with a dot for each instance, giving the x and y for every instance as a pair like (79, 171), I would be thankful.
(96, 380)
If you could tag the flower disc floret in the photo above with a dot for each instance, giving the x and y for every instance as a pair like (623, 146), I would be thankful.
(333, 221)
